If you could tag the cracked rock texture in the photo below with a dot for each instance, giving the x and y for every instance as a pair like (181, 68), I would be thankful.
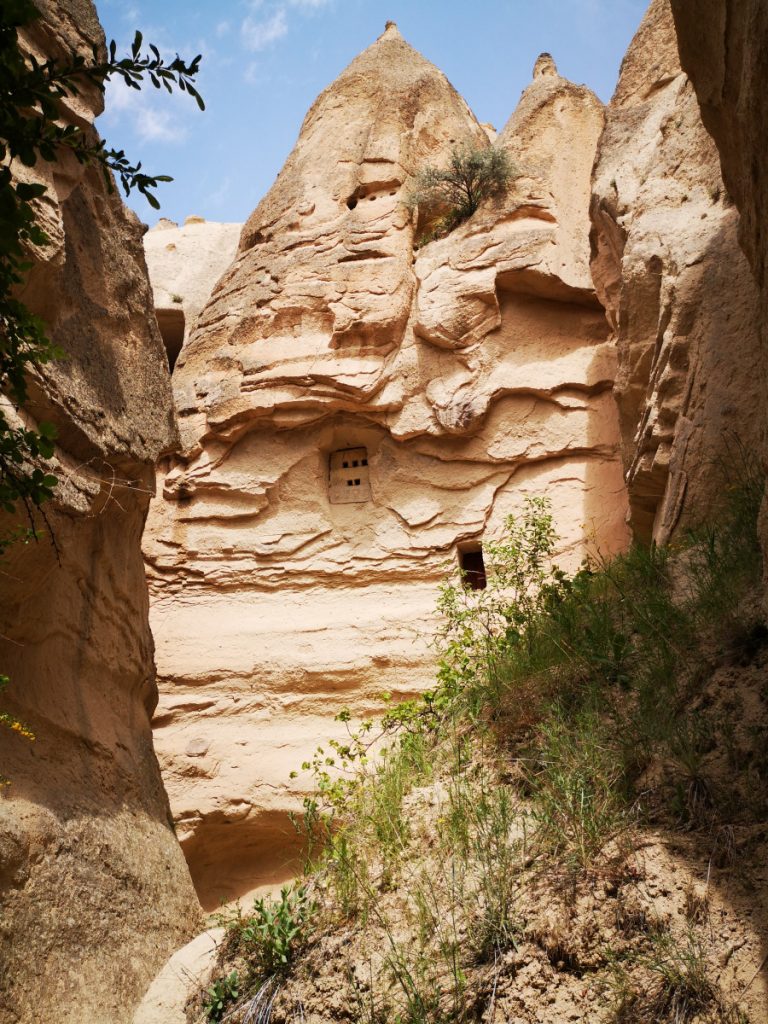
(677, 288)
(454, 379)
(94, 891)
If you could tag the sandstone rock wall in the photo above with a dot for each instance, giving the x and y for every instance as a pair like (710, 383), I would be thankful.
(677, 289)
(453, 380)
(94, 891)
(723, 46)
(184, 265)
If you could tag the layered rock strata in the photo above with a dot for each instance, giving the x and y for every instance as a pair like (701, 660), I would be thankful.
(678, 292)
(94, 891)
(355, 413)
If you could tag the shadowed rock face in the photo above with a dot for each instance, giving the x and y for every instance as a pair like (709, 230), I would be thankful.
(453, 380)
(94, 891)
(677, 290)
(723, 46)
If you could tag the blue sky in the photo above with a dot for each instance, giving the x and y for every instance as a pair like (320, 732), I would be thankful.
(265, 61)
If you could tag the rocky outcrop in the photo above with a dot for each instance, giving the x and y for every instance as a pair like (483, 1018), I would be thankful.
(180, 980)
(353, 413)
(723, 46)
(677, 289)
(184, 265)
(94, 892)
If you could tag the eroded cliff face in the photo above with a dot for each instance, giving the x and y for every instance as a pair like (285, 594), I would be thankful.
(723, 46)
(94, 891)
(354, 411)
(677, 289)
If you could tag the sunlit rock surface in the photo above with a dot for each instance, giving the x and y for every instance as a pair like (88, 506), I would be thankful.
(185, 262)
(453, 379)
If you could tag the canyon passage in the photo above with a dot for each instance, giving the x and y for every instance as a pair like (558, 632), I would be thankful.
(276, 443)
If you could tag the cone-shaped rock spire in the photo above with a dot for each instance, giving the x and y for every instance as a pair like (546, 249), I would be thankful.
(353, 409)
(303, 302)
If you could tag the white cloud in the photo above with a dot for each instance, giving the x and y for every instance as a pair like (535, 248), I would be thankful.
(251, 73)
(150, 115)
(309, 4)
(222, 28)
(258, 34)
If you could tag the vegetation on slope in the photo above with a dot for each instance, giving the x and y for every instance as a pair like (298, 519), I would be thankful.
(531, 843)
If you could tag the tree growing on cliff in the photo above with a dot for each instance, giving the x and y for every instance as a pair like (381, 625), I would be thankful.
(446, 196)
(32, 128)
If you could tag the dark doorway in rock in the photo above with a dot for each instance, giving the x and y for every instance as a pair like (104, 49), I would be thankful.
(171, 324)
(472, 567)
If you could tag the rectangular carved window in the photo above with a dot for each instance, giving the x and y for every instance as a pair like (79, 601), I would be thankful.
(348, 478)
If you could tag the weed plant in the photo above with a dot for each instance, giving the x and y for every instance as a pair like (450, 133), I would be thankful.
(563, 714)
(677, 986)
(220, 995)
(266, 942)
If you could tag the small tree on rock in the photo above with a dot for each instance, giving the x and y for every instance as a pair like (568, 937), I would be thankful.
(446, 196)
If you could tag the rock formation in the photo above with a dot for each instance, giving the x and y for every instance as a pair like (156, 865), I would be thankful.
(724, 48)
(353, 414)
(184, 265)
(94, 892)
(677, 290)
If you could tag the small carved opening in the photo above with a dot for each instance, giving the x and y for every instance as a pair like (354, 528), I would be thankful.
(472, 567)
(171, 324)
(352, 202)
(348, 476)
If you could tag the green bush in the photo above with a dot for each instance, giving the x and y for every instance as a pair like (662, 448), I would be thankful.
(446, 196)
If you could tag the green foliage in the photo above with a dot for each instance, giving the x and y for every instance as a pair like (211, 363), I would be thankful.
(276, 929)
(223, 992)
(482, 626)
(32, 128)
(446, 196)
(271, 935)
(556, 694)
